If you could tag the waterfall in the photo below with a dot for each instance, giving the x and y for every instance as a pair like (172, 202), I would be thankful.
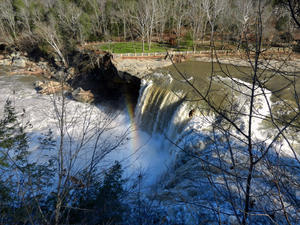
(160, 111)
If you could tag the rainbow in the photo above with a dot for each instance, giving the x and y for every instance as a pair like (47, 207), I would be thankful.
(134, 139)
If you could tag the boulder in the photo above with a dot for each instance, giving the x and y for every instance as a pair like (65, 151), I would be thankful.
(15, 54)
(83, 96)
(38, 84)
(19, 62)
(59, 75)
(192, 113)
(5, 62)
(43, 65)
(50, 87)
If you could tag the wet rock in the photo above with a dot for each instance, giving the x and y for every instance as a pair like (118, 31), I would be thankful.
(38, 84)
(19, 62)
(83, 96)
(43, 65)
(15, 54)
(5, 62)
(59, 75)
(192, 113)
(50, 87)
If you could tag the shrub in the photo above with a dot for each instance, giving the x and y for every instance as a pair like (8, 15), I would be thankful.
(101, 201)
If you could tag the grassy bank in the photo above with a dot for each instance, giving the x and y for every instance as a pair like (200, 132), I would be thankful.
(136, 47)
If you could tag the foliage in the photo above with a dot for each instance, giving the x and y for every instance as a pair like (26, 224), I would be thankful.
(12, 136)
(108, 201)
(101, 201)
(282, 23)
(86, 24)
(18, 5)
(80, 21)
(24, 184)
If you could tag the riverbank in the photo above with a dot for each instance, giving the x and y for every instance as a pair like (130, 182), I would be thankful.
(140, 67)
(89, 77)
(284, 63)
(20, 63)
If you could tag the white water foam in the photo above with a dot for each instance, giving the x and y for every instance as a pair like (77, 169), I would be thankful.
(82, 122)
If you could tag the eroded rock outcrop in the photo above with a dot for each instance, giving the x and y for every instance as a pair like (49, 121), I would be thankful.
(21, 63)
(89, 78)
(98, 75)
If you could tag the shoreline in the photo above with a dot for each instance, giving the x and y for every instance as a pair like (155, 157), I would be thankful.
(142, 67)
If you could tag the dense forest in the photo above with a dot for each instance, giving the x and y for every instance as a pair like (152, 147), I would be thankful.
(71, 22)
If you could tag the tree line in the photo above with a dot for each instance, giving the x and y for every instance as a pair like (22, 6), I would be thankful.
(71, 22)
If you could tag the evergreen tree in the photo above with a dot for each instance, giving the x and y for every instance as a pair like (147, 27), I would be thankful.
(100, 202)
(24, 184)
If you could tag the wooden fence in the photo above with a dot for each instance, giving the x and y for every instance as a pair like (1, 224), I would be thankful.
(189, 53)
(163, 54)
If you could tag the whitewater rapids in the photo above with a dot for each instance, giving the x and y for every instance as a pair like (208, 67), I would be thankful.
(135, 149)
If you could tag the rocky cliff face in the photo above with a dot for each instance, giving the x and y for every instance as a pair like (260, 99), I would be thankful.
(90, 78)
(99, 75)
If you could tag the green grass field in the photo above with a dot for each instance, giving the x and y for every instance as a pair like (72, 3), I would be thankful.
(131, 47)
(136, 47)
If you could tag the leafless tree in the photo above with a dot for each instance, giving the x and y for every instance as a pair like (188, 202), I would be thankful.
(249, 172)
(143, 18)
(163, 10)
(47, 31)
(225, 23)
(244, 15)
(213, 9)
(122, 13)
(25, 18)
(84, 141)
(197, 19)
(294, 9)
(179, 16)
(69, 19)
(8, 23)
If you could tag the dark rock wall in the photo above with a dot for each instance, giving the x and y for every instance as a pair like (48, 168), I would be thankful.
(99, 75)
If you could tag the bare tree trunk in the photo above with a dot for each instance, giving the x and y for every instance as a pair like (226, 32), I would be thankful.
(143, 43)
(48, 33)
(124, 28)
(60, 154)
